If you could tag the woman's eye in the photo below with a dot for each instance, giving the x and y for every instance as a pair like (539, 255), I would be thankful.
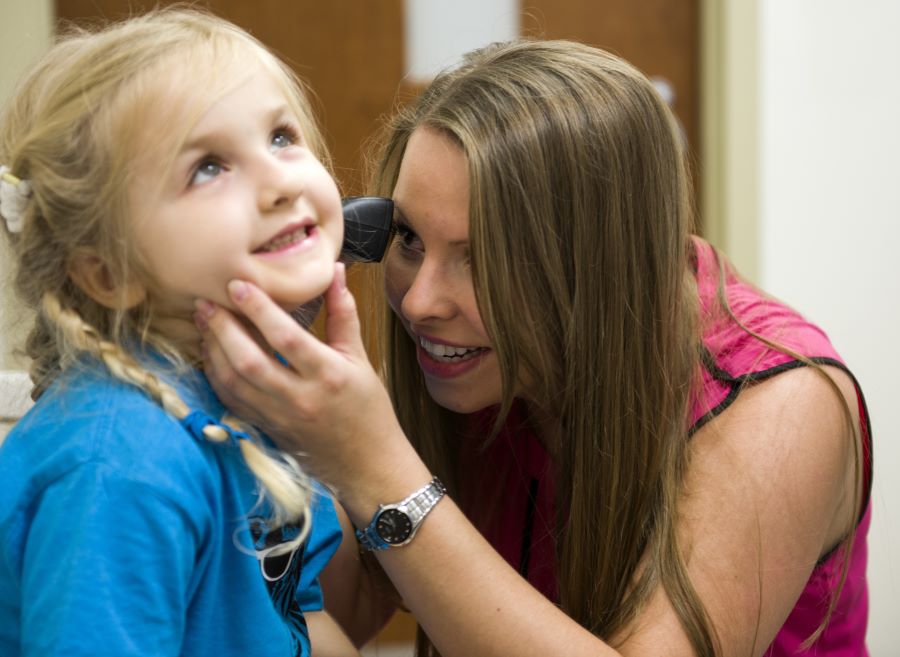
(206, 171)
(284, 136)
(406, 239)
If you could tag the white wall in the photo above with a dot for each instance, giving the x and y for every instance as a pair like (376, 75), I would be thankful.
(437, 34)
(829, 228)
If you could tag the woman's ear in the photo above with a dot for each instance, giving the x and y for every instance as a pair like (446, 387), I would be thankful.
(93, 276)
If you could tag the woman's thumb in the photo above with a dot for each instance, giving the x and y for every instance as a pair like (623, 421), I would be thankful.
(342, 327)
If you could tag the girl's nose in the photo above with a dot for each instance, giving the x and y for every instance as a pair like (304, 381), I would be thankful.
(281, 184)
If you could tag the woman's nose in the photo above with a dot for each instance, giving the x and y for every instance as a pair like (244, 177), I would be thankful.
(280, 184)
(430, 295)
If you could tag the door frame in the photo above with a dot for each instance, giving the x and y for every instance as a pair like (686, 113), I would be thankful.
(729, 122)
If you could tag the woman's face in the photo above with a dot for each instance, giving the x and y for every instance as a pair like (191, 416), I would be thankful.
(429, 278)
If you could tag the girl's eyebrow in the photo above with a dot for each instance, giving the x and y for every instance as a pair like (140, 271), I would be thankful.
(200, 141)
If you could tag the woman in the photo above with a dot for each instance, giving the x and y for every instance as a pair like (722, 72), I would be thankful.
(645, 455)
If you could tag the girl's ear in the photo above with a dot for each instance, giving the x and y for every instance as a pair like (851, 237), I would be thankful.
(92, 275)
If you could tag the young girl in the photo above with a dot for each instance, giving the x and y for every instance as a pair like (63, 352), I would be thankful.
(645, 454)
(145, 165)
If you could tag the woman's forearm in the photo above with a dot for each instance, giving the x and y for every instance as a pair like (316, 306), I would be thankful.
(471, 603)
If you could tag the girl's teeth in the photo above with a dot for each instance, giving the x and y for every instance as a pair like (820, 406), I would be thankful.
(284, 241)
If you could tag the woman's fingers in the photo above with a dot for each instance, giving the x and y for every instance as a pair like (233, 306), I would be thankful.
(322, 404)
(342, 321)
(282, 333)
(225, 339)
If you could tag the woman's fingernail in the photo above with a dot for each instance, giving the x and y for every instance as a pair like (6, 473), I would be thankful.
(238, 290)
(204, 308)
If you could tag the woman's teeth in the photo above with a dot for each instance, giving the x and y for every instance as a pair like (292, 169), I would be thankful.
(285, 240)
(447, 353)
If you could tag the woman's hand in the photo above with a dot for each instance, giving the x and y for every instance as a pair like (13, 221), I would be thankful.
(328, 406)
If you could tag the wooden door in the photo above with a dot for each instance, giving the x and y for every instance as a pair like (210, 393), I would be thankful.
(349, 51)
(660, 37)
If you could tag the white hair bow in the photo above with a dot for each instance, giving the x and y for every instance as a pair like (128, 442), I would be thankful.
(14, 195)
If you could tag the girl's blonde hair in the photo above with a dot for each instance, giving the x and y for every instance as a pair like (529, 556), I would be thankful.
(73, 129)
(580, 220)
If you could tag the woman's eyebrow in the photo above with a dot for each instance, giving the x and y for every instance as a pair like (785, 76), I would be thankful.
(401, 219)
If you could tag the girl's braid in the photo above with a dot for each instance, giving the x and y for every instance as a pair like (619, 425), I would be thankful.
(123, 366)
(283, 480)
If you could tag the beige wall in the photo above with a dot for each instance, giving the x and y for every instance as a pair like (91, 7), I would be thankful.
(730, 148)
(24, 34)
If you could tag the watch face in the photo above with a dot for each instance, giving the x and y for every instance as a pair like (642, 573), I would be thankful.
(393, 526)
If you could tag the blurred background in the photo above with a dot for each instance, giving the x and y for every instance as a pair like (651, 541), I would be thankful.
(790, 109)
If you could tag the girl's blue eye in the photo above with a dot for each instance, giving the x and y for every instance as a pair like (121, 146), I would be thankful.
(206, 171)
(284, 136)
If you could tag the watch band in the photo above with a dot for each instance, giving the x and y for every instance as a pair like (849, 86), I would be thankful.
(394, 525)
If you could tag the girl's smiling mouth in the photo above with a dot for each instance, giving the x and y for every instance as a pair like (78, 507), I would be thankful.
(290, 237)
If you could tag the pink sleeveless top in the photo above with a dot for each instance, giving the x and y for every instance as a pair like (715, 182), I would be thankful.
(521, 472)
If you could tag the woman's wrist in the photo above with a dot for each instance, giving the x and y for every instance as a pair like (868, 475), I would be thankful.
(390, 477)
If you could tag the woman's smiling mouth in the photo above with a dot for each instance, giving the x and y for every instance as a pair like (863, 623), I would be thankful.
(449, 354)
(443, 361)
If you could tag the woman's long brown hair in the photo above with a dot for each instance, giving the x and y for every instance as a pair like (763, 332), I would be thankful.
(580, 235)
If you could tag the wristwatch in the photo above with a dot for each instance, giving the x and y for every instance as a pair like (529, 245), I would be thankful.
(394, 525)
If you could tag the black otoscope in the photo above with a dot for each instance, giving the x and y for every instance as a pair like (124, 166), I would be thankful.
(367, 231)
(367, 228)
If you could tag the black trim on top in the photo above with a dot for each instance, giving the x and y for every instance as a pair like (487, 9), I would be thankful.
(737, 384)
(528, 529)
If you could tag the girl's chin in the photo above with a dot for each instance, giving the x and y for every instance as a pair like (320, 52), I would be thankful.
(291, 301)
